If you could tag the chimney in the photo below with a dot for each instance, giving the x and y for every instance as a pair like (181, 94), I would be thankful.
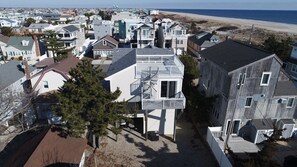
(26, 69)
(37, 50)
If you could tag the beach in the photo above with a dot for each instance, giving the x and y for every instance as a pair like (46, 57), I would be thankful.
(243, 30)
(243, 23)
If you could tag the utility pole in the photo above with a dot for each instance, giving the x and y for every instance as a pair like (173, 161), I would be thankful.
(250, 40)
(230, 127)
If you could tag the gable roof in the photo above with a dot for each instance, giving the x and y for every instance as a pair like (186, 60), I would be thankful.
(107, 38)
(47, 147)
(200, 37)
(55, 149)
(285, 88)
(121, 59)
(11, 72)
(176, 24)
(71, 28)
(144, 26)
(63, 67)
(231, 55)
(45, 62)
(16, 41)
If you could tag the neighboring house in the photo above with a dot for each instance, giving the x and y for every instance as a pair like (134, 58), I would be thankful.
(201, 41)
(48, 147)
(104, 47)
(143, 36)
(152, 79)
(291, 64)
(126, 28)
(72, 36)
(51, 16)
(38, 28)
(173, 35)
(3, 42)
(53, 76)
(102, 28)
(250, 86)
(20, 46)
(5, 22)
(13, 81)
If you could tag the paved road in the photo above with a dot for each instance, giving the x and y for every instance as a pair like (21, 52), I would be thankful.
(132, 150)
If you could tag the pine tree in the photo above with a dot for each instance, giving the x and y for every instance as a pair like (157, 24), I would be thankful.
(85, 104)
(53, 44)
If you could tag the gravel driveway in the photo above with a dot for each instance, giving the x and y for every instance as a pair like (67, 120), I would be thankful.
(132, 150)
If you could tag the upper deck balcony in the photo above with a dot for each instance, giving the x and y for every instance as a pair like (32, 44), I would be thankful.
(166, 66)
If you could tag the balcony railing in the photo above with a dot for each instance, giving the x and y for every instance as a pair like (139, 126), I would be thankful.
(178, 102)
(166, 66)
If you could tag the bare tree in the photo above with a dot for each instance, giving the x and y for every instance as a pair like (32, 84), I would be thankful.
(14, 104)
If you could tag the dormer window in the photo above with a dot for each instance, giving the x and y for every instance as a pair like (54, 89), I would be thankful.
(25, 42)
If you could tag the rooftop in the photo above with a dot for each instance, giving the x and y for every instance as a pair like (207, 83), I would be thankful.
(16, 41)
(231, 55)
(12, 71)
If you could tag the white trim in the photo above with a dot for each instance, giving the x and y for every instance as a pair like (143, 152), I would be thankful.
(292, 102)
(265, 84)
(232, 134)
(245, 106)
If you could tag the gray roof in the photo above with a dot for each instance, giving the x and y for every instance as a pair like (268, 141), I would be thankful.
(11, 72)
(71, 28)
(121, 59)
(8, 20)
(231, 55)
(38, 25)
(285, 88)
(262, 124)
(16, 42)
(154, 51)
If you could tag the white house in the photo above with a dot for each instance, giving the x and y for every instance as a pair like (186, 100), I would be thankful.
(5, 22)
(38, 27)
(72, 35)
(143, 36)
(153, 78)
(172, 35)
(20, 46)
(53, 76)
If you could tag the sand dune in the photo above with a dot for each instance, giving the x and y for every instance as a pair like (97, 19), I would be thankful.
(273, 26)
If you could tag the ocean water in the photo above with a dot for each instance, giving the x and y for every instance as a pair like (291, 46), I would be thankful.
(280, 16)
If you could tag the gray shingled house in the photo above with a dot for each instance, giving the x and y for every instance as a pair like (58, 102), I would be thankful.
(251, 87)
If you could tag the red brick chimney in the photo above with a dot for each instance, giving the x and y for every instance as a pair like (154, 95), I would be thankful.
(37, 50)
(26, 69)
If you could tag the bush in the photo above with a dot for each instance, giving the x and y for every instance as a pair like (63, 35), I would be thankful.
(20, 58)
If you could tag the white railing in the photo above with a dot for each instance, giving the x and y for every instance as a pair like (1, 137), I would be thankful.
(178, 102)
(218, 152)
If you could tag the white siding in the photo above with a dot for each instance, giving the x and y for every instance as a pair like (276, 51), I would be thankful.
(54, 79)
(123, 79)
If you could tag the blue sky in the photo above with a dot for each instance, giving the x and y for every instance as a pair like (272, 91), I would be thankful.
(192, 4)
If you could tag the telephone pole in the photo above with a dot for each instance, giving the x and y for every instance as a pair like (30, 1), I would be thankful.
(230, 127)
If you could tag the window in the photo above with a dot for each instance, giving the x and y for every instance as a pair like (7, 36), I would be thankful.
(179, 42)
(265, 78)
(290, 102)
(104, 42)
(67, 35)
(248, 102)
(45, 84)
(294, 68)
(241, 79)
(178, 32)
(67, 44)
(168, 89)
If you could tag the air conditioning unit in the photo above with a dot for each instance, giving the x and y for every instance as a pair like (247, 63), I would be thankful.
(282, 101)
